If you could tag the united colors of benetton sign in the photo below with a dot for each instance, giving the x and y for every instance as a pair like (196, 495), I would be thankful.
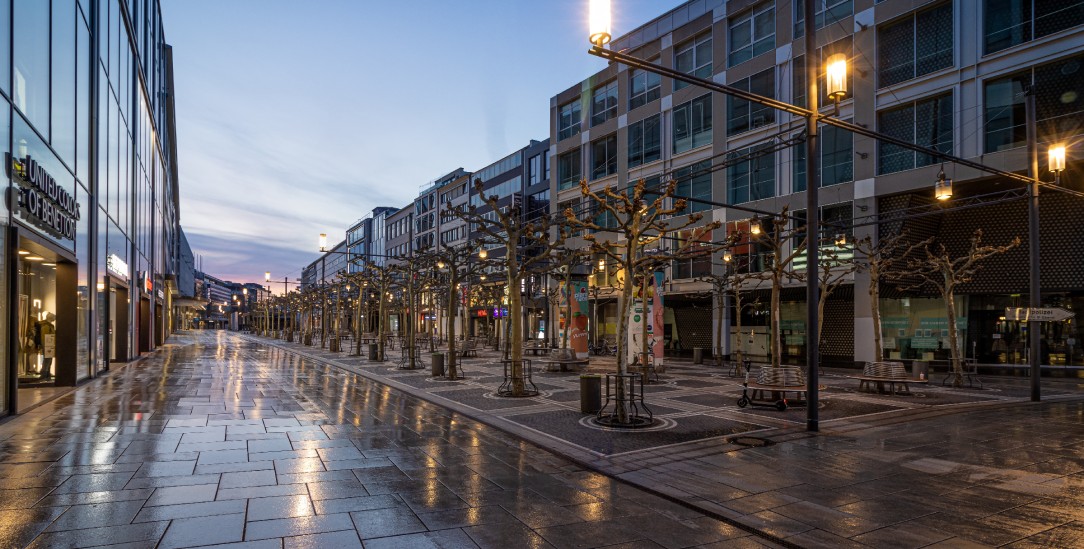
(47, 204)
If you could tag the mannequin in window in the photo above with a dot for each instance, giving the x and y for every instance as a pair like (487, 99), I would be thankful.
(45, 335)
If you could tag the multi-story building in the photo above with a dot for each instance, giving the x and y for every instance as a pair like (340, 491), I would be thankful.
(90, 235)
(364, 239)
(944, 74)
(427, 210)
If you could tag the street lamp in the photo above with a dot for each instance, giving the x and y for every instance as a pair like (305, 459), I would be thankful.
(727, 256)
(754, 226)
(323, 242)
(942, 188)
(600, 22)
(482, 254)
(836, 78)
(1056, 161)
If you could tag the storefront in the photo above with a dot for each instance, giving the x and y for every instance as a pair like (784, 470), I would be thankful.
(115, 303)
(49, 308)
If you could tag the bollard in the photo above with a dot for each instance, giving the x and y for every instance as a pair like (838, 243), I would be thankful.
(590, 393)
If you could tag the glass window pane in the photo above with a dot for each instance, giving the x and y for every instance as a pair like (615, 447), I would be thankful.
(30, 89)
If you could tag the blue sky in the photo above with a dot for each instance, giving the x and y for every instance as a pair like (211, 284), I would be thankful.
(296, 118)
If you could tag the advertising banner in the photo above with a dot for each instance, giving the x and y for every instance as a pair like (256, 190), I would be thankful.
(578, 339)
(657, 328)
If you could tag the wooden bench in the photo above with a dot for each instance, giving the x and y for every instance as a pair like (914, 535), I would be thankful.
(876, 375)
(778, 381)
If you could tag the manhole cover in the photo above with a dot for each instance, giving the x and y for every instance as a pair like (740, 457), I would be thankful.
(752, 442)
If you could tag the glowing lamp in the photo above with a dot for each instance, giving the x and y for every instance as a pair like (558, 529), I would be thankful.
(942, 188)
(836, 77)
(323, 242)
(599, 23)
(1057, 158)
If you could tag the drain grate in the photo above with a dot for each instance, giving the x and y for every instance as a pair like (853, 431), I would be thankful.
(752, 442)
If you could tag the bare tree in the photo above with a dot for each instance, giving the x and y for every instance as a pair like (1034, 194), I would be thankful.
(780, 269)
(943, 272)
(562, 261)
(878, 259)
(634, 225)
(833, 270)
(527, 243)
(457, 264)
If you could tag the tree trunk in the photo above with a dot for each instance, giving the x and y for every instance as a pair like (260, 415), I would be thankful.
(568, 309)
(380, 326)
(515, 344)
(737, 323)
(954, 351)
(875, 311)
(451, 359)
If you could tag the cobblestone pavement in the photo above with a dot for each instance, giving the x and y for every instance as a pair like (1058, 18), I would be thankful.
(942, 467)
(221, 441)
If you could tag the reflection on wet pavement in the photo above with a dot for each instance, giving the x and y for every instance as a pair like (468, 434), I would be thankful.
(218, 440)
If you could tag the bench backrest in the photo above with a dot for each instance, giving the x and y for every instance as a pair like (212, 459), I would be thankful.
(784, 376)
(890, 370)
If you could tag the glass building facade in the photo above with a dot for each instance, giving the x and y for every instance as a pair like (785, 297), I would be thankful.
(90, 231)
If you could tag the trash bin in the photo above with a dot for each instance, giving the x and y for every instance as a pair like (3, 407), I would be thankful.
(438, 364)
(590, 393)
(334, 344)
(698, 355)
(920, 369)
(373, 350)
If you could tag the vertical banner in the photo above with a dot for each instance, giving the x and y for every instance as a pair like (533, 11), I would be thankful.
(636, 332)
(578, 339)
(658, 326)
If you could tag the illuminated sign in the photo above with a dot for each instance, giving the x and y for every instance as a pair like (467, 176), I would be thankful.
(148, 284)
(117, 266)
(47, 203)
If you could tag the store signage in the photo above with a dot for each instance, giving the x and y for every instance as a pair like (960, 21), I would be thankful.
(1038, 314)
(117, 266)
(148, 284)
(482, 313)
(47, 204)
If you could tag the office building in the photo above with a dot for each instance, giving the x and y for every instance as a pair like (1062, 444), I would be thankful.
(943, 74)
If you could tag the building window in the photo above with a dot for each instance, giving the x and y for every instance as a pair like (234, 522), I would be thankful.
(568, 169)
(604, 157)
(752, 33)
(743, 115)
(918, 44)
(837, 158)
(697, 245)
(692, 124)
(645, 141)
(1011, 22)
(751, 174)
(535, 166)
(1058, 104)
(694, 57)
(604, 104)
(828, 12)
(568, 120)
(30, 89)
(927, 122)
(645, 88)
(694, 182)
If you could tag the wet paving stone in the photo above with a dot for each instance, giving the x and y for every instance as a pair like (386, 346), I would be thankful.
(222, 440)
